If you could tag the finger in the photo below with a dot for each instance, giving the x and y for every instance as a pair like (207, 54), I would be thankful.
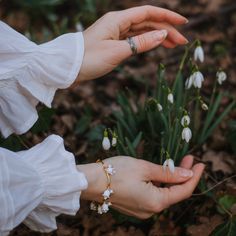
(187, 162)
(166, 43)
(180, 192)
(143, 42)
(139, 14)
(173, 34)
(161, 175)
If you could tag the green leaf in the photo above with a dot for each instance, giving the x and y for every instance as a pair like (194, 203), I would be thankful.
(44, 121)
(130, 147)
(12, 143)
(96, 133)
(137, 139)
(83, 124)
(228, 228)
(226, 202)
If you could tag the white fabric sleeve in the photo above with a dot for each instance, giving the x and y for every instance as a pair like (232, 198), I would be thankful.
(31, 73)
(37, 185)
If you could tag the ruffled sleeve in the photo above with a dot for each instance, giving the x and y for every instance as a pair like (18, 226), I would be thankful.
(37, 185)
(31, 73)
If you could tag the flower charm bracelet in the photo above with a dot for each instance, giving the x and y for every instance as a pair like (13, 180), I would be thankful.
(104, 207)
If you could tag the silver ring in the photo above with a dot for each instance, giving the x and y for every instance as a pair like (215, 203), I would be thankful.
(132, 45)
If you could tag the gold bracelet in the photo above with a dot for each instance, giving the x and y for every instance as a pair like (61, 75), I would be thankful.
(104, 207)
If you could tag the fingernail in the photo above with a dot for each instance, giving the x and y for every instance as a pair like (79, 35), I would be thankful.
(160, 35)
(186, 41)
(186, 21)
(185, 173)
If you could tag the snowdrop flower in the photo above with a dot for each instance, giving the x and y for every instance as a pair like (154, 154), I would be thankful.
(171, 165)
(114, 141)
(221, 77)
(199, 54)
(170, 98)
(185, 121)
(189, 82)
(197, 79)
(106, 142)
(204, 107)
(186, 134)
(159, 107)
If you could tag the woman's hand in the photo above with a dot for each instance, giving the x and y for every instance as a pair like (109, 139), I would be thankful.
(105, 41)
(136, 184)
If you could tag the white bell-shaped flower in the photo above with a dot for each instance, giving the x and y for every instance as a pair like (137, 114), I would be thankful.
(106, 143)
(198, 79)
(170, 164)
(221, 77)
(170, 98)
(204, 106)
(159, 107)
(189, 82)
(186, 134)
(114, 141)
(199, 54)
(185, 121)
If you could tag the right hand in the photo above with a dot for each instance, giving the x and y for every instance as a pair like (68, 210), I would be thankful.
(105, 41)
(136, 184)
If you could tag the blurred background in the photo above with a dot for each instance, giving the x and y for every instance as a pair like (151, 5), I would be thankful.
(80, 114)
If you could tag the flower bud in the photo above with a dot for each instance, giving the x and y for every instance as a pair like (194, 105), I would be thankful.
(199, 54)
(170, 98)
(221, 77)
(204, 106)
(159, 107)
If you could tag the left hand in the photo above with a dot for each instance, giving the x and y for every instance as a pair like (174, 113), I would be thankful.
(105, 41)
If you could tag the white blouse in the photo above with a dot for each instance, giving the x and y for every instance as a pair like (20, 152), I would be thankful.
(38, 184)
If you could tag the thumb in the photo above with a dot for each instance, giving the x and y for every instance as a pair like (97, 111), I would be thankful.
(144, 42)
(157, 173)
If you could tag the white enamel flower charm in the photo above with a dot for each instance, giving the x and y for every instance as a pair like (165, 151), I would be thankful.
(105, 207)
(170, 164)
(185, 121)
(199, 54)
(99, 209)
(110, 170)
(159, 107)
(170, 98)
(107, 193)
(198, 79)
(221, 77)
(186, 134)
(93, 206)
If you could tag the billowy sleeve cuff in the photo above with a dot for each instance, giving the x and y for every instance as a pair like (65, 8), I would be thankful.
(31, 73)
(38, 184)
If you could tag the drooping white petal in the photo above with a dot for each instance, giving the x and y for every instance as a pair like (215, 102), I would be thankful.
(159, 107)
(170, 98)
(165, 164)
(106, 143)
(221, 77)
(185, 121)
(198, 79)
(199, 54)
(189, 82)
(186, 134)
(171, 165)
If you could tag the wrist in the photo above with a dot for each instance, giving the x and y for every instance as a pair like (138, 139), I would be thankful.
(96, 181)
